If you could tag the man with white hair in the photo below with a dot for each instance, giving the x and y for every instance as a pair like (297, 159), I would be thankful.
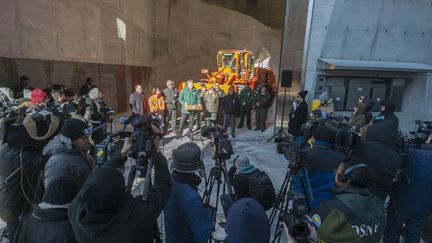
(171, 95)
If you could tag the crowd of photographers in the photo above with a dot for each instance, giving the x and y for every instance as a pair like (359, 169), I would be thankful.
(363, 180)
(358, 180)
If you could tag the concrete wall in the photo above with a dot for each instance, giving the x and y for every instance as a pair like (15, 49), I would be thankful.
(375, 30)
(77, 30)
(191, 33)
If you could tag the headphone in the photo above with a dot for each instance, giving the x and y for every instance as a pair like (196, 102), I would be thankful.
(345, 175)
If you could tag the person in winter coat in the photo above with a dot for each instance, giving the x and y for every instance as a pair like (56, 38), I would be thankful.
(230, 104)
(138, 101)
(187, 219)
(171, 94)
(261, 103)
(363, 211)
(156, 102)
(68, 153)
(411, 201)
(320, 162)
(246, 99)
(384, 164)
(326, 105)
(94, 114)
(211, 101)
(221, 93)
(188, 96)
(387, 108)
(358, 119)
(12, 200)
(49, 220)
(104, 212)
(298, 116)
(247, 222)
(85, 89)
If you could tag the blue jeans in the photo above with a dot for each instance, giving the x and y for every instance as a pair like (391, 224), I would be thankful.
(229, 121)
(412, 230)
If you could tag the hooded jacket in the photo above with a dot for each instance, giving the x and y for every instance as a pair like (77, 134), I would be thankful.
(66, 161)
(12, 201)
(364, 211)
(415, 197)
(388, 113)
(186, 218)
(103, 211)
(384, 164)
(320, 162)
(47, 225)
(358, 119)
(247, 223)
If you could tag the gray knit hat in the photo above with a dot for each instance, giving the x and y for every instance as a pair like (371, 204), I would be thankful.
(187, 158)
(244, 166)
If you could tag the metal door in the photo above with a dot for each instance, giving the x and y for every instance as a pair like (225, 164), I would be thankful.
(378, 95)
(338, 96)
(357, 88)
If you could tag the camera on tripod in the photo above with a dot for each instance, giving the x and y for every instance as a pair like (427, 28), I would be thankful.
(222, 147)
(294, 216)
(422, 132)
(291, 148)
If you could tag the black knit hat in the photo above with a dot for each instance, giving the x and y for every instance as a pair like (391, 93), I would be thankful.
(75, 128)
(60, 191)
(324, 134)
(187, 158)
(303, 93)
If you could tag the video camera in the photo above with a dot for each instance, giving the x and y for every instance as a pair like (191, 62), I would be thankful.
(422, 131)
(291, 148)
(222, 148)
(294, 216)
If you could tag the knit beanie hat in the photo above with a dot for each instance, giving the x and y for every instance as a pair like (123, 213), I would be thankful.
(247, 222)
(303, 93)
(336, 228)
(243, 165)
(60, 191)
(38, 96)
(187, 158)
(75, 128)
(324, 97)
(324, 134)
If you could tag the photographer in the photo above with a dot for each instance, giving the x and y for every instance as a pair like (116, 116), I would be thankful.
(187, 219)
(411, 201)
(326, 105)
(171, 94)
(104, 212)
(363, 211)
(387, 108)
(377, 152)
(68, 153)
(248, 181)
(358, 118)
(319, 163)
(49, 220)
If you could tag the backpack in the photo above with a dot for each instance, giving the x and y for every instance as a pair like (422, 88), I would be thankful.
(261, 189)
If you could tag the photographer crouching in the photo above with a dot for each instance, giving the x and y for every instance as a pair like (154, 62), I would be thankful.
(319, 163)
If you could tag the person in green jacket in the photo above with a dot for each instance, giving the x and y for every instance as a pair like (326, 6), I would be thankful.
(246, 100)
(261, 102)
(188, 96)
(358, 119)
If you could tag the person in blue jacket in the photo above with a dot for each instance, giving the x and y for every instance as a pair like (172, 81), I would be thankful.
(187, 219)
(316, 179)
(411, 202)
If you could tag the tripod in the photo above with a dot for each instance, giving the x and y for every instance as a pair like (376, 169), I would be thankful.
(281, 132)
(282, 203)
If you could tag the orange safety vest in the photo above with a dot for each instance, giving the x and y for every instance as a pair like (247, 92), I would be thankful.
(156, 104)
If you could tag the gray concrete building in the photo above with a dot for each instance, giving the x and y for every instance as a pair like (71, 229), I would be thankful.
(378, 48)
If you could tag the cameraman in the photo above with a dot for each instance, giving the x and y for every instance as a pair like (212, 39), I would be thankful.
(411, 201)
(387, 108)
(68, 152)
(187, 219)
(319, 161)
(104, 212)
(363, 211)
(243, 176)
(377, 152)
